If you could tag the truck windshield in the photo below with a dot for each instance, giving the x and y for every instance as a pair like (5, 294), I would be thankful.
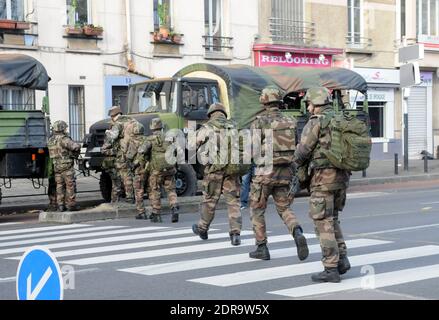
(152, 97)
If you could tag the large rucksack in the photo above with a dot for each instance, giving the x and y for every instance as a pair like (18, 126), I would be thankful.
(351, 143)
(158, 161)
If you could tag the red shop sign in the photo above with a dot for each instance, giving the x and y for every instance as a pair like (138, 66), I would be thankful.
(287, 59)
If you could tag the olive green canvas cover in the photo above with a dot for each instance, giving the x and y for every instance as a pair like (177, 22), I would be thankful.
(245, 83)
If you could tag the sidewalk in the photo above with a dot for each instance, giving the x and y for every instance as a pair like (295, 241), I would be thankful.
(379, 172)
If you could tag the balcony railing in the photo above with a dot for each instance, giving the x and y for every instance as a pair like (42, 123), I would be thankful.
(292, 31)
(355, 41)
(217, 45)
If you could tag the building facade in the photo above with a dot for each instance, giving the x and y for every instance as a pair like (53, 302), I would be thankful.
(93, 49)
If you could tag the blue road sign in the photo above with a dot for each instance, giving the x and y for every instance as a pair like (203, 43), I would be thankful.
(39, 276)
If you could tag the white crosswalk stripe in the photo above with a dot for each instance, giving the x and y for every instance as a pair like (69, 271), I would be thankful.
(379, 281)
(171, 251)
(265, 274)
(82, 235)
(29, 230)
(4, 224)
(159, 251)
(205, 263)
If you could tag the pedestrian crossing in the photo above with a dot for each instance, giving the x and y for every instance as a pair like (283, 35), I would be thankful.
(148, 251)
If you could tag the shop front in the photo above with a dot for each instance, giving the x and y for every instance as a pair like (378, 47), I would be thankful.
(382, 84)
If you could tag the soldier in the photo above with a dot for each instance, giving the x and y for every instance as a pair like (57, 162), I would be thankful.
(51, 192)
(276, 182)
(216, 181)
(137, 150)
(109, 165)
(161, 172)
(63, 150)
(328, 185)
(120, 134)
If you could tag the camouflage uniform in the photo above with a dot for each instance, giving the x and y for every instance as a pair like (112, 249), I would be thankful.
(109, 165)
(137, 149)
(51, 191)
(121, 133)
(328, 184)
(275, 183)
(161, 172)
(216, 181)
(63, 150)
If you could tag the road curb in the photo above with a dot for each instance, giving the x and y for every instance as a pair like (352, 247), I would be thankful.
(395, 179)
(106, 211)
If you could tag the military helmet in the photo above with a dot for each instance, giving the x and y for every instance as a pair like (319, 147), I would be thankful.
(114, 111)
(59, 126)
(138, 129)
(270, 94)
(318, 96)
(216, 107)
(156, 124)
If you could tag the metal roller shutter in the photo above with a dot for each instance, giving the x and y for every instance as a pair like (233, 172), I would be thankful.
(417, 114)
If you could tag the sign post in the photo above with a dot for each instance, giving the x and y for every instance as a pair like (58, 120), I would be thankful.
(409, 76)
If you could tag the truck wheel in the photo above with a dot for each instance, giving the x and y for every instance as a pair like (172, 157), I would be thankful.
(105, 185)
(186, 181)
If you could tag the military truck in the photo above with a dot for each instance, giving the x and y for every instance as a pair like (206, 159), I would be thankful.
(23, 133)
(187, 95)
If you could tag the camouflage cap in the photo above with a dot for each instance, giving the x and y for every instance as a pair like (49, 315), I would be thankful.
(318, 96)
(59, 126)
(270, 94)
(156, 124)
(216, 107)
(138, 129)
(114, 111)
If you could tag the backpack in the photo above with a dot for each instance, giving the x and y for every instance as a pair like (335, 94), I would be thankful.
(229, 168)
(158, 161)
(351, 143)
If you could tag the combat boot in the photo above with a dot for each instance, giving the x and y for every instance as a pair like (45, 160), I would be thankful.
(235, 239)
(156, 218)
(73, 208)
(142, 216)
(52, 207)
(327, 275)
(261, 252)
(301, 245)
(62, 208)
(203, 234)
(174, 218)
(343, 264)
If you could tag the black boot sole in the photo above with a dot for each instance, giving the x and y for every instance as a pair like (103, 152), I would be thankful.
(302, 247)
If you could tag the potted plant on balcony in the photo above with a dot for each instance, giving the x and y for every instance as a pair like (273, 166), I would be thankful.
(7, 24)
(162, 12)
(76, 29)
(175, 37)
(22, 25)
(92, 30)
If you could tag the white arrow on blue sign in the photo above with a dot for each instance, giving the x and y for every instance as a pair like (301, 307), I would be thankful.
(39, 276)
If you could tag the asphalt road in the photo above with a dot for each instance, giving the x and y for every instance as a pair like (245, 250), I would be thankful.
(392, 236)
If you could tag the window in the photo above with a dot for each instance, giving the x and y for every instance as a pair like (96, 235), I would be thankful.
(78, 12)
(376, 115)
(354, 22)
(76, 113)
(12, 10)
(197, 98)
(14, 98)
(403, 17)
(287, 22)
(162, 11)
(428, 17)
(213, 25)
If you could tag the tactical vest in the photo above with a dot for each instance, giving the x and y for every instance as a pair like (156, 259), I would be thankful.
(126, 134)
(158, 161)
(319, 158)
(284, 136)
(62, 157)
